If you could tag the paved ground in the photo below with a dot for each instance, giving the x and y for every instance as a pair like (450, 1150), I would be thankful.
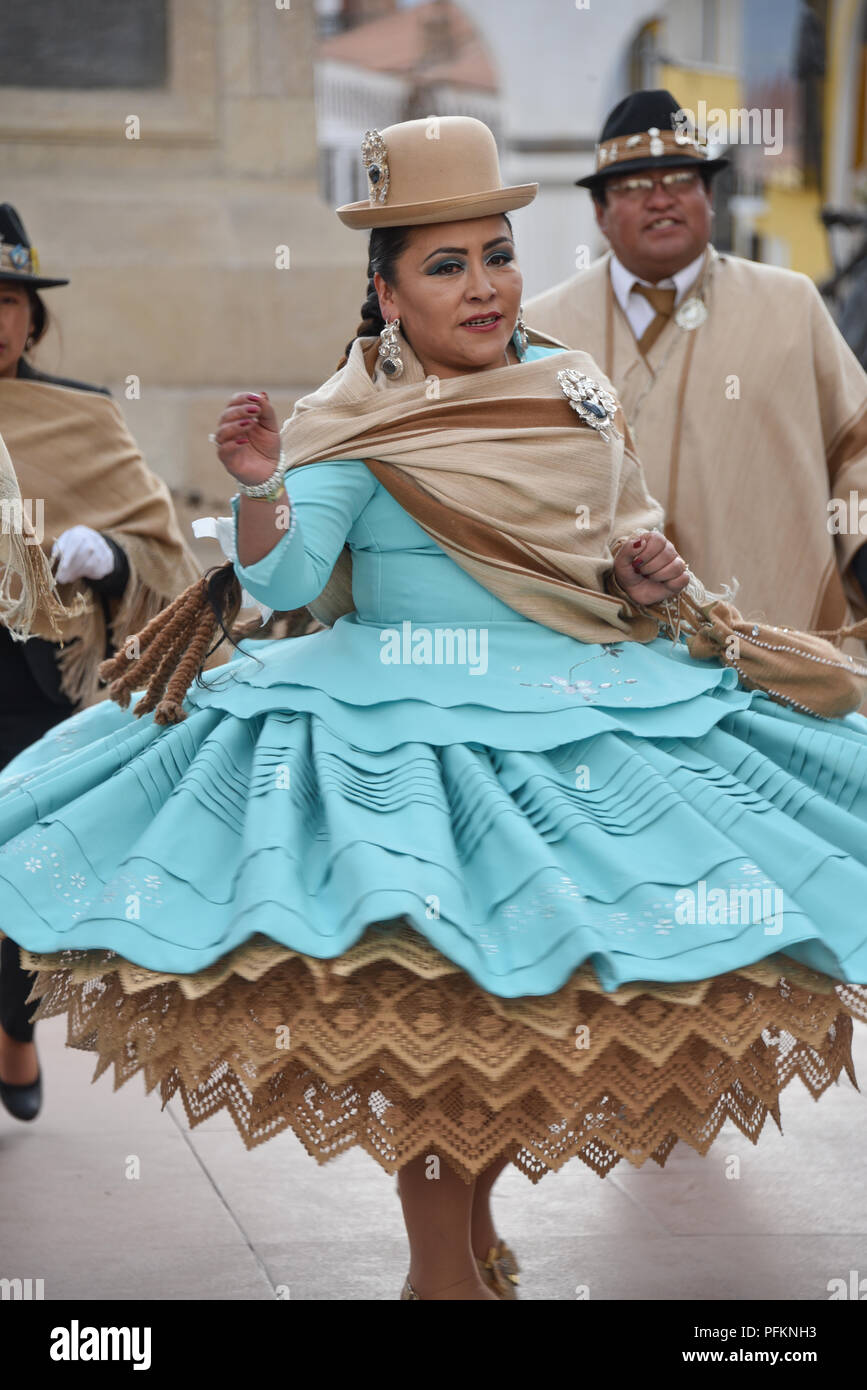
(207, 1219)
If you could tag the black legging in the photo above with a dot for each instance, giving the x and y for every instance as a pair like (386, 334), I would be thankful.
(31, 703)
(15, 983)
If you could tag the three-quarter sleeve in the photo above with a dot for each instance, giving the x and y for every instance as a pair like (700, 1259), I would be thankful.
(324, 501)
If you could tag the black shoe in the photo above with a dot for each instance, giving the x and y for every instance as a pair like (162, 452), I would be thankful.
(24, 1102)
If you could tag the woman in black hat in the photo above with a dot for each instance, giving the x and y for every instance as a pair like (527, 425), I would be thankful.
(31, 700)
(37, 689)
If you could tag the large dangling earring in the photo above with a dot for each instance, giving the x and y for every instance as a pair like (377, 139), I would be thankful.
(389, 350)
(520, 335)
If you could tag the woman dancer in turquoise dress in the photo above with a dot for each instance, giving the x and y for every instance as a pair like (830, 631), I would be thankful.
(452, 888)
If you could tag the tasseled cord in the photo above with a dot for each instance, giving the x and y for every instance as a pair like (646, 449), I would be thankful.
(171, 650)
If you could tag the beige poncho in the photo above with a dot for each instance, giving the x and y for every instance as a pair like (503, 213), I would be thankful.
(751, 429)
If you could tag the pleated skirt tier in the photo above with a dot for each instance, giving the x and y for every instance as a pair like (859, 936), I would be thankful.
(582, 918)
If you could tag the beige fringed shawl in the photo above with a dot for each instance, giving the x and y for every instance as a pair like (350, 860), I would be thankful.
(27, 586)
(500, 471)
(72, 453)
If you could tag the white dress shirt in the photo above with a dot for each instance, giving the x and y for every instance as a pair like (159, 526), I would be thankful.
(639, 311)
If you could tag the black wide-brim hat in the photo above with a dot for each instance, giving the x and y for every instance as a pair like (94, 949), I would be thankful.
(18, 259)
(647, 130)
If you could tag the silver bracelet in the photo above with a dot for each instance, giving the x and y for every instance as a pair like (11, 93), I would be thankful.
(272, 487)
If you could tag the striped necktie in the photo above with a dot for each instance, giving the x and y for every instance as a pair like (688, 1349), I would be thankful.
(663, 302)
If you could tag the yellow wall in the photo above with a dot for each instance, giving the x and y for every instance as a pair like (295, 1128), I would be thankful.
(793, 216)
(689, 86)
(842, 36)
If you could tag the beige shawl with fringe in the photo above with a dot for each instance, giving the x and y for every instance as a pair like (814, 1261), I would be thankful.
(27, 586)
(76, 463)
(501, 472)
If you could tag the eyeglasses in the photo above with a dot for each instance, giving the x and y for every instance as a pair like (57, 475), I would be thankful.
(676, 182)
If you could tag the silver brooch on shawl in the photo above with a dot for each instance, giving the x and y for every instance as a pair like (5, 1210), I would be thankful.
(595, 405)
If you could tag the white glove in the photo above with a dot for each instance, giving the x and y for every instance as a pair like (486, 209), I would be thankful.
(222, 529)
(84, 554)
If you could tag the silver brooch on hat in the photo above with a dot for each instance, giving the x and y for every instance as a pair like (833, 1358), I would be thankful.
(656, 145)
(374, 154)
(595, 405)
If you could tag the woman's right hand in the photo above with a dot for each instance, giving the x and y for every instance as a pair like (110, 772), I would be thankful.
(248, 438)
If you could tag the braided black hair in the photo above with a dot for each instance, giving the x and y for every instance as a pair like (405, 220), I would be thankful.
(39, 315)
(385, 246)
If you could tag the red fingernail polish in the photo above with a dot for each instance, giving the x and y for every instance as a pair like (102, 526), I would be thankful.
(252, 409)
(636, 544)
(636, 564)
(251, 396)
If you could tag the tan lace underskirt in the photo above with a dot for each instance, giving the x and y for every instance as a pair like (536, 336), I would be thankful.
(392, 1048)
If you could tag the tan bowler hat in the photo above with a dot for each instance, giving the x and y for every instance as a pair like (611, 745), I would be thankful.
(437, 169)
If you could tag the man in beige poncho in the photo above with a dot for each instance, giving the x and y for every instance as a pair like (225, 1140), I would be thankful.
(748, 410)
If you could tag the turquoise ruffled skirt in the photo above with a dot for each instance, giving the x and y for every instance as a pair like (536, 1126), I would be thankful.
(623, 818)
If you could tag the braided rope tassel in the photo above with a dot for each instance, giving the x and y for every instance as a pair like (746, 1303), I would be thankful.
(159, 680)
(127, 674)
(173, 646)
(170, 709)
(159, 649)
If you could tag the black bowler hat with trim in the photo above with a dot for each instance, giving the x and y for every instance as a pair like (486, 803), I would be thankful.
(18, 258)
(635, 115)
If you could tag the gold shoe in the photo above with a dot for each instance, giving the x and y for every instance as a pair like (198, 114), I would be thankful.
(509, 1263)
(500, 1271)
(408, 1291)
